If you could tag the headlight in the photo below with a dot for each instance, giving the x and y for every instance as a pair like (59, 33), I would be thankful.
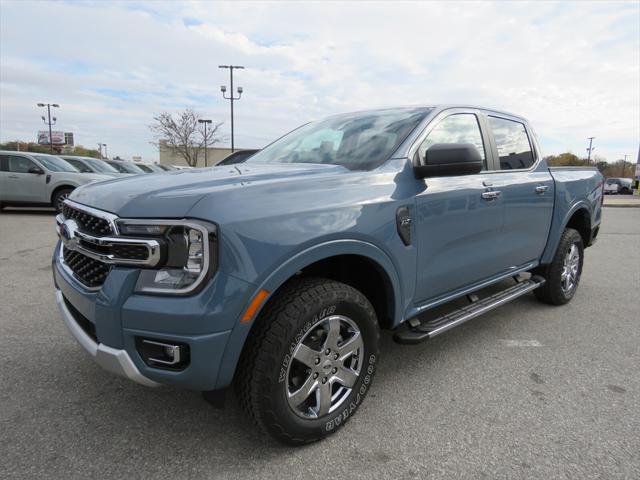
(189, 257)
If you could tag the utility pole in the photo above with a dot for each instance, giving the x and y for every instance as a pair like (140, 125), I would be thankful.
(48, 122)
(223, 89)
(205, 139)
(590, 149)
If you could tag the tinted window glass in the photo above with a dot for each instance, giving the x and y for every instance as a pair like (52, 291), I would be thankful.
(79, 165)
(55, 164)
(4, 163)
(20, 164)
(99, 165)
(513, 144)
(458, 128)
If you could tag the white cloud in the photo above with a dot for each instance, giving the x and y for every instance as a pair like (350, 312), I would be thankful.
(572, 69)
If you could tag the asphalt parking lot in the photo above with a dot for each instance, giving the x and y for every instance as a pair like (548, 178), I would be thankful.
(528, 391)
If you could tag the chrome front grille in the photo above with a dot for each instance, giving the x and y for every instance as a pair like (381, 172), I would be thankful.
(87, 222)
(91, 272)
(91, 245)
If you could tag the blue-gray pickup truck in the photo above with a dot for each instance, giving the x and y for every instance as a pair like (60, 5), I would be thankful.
(278, 275)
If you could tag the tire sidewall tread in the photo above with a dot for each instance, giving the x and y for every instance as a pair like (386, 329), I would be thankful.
(263, 366)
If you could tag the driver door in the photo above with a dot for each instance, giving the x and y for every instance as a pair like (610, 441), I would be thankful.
(22, 186)
(458, 224)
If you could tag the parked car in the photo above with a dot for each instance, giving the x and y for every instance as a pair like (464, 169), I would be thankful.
(240, 156)
(124, 166)
(38, 179)
(623, 186)
(166, 168)
(277, 275)
(149, 168)
(92, 165)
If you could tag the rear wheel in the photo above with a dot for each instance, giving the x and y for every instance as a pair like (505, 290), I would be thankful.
(310, 360)
(59, 198)
(563, 273)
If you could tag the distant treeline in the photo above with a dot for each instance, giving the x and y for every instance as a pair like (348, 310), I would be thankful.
(620, 168)
(78, 150)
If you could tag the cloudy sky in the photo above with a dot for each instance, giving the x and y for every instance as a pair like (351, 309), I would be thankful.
(573, 69)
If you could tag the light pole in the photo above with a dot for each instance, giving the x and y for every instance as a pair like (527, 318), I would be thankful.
(48, 122)
(205, 139)
(106, 155)
(223, 89)
(590, 149)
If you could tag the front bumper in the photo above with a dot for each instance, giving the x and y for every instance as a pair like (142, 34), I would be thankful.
(111, 359)
(108, 321)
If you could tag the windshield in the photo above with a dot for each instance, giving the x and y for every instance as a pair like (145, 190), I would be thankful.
(123, 167)
(145, 168)
(358, 141)
(55, 164)
(99, 165)
(79, 165)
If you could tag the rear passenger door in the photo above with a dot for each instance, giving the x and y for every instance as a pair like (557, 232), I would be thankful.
(526, 187)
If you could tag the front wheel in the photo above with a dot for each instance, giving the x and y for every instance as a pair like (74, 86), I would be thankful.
(563, 273)
(310, 360)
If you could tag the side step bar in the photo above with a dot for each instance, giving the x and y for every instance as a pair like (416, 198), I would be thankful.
(413, 331)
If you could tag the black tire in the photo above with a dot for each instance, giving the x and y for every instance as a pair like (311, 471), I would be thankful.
(555, 291)
(59, 197)
(265, 371)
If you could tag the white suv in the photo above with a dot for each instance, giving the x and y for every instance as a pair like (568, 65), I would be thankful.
(37, 179)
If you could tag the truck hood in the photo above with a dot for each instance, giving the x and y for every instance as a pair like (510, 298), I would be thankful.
(173, 194)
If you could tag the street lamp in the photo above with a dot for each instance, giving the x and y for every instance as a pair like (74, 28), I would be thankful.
(205, 139)
(48, 122)
(106, 155)
(223, 89)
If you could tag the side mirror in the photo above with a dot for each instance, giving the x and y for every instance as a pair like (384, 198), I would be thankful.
(36, 170)
(449, 159)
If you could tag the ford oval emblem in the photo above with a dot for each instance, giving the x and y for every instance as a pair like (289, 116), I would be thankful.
(68, 233)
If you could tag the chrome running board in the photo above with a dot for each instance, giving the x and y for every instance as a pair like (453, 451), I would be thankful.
(414, 331)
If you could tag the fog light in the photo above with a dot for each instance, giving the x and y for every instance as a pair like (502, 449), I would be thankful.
(163, 354)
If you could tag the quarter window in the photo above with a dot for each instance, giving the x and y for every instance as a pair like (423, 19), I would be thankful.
(457, 128)
(512, 141)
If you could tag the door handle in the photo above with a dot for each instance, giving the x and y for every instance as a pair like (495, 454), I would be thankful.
(12, 176)
(541, 189)
(487, 183)
(491, 194)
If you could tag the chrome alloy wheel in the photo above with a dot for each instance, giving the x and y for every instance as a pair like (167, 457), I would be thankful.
(61, 198)
(570, 267)
(324, 367)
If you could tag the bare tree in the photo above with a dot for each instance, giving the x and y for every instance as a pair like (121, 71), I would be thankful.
(183, 134)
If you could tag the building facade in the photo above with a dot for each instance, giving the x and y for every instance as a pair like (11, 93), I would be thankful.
(168, 156)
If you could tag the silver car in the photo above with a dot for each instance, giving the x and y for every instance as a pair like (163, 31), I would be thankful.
(92, 165)
(38, 179)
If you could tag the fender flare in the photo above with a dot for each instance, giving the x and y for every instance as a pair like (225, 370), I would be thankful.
(288, 269)
(556, 231)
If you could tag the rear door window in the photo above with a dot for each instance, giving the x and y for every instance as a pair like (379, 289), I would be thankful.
(512, 142)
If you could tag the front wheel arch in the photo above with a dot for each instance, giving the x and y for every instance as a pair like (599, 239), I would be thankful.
(290, 269)
(59, 188)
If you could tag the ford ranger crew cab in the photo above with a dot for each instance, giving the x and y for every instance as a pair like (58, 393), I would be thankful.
(278, 274)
